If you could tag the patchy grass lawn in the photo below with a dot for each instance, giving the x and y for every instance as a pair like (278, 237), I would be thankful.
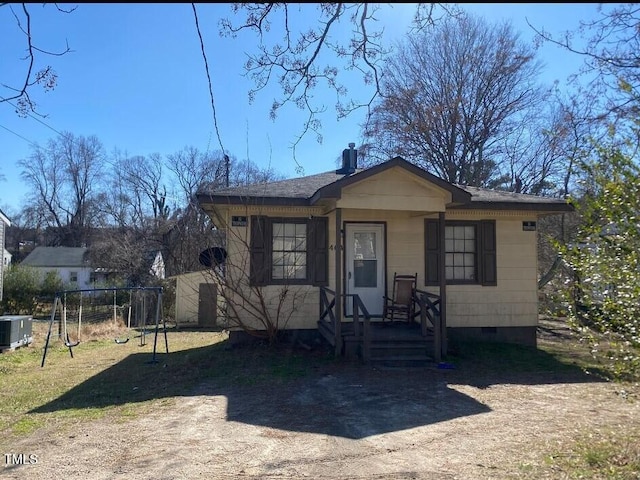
(130, 383)
(118, 382)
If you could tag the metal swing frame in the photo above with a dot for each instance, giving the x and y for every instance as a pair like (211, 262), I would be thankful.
(63, 334)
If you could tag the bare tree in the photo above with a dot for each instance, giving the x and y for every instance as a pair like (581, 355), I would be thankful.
(259, 311)
(191, 231)
(610, 47)
(65, 178)
(18, 89)
(452, 96)
(300, 55)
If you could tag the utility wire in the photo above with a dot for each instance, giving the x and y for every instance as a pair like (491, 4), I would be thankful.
(206, 66)
(20, 136)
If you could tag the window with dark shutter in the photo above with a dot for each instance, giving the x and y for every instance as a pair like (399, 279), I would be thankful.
(259, 264)
(432, 252)
(469, 252)
(488, 257)
(319, 251)
(289, 250)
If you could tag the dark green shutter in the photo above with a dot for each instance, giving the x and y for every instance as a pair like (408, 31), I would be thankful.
(432, 252)
(488, 257)
(259, 264)
(318, 251)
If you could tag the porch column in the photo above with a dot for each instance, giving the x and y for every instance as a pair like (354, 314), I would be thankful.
(338, 283)
(443, 284)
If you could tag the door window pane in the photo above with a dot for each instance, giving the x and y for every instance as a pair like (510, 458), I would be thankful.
(365, 273)
(364, 245)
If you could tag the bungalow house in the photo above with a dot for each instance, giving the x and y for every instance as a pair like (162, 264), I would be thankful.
(4, 223)
(74, 268)
(70, 263)
(326, 247)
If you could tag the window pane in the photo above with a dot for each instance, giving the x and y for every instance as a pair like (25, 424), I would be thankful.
(449, 273)
(300, 259)
(278, 258)
(278, 229)
(278, 244)
(365, 273)
(460, 252)
(277, 272)
(469, 273)
(469, 231)
(364, 245)
(448, 233)
(290, 229)
(289, 247)
(300, 272)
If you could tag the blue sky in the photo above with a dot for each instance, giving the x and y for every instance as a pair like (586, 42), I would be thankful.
(136, 80)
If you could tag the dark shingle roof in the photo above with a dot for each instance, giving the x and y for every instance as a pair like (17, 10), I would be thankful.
(56, 257)
(306, 190)
(490, 197)
(301, 187)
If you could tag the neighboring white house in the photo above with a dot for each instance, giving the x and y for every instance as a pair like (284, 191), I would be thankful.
(157, 265)
(4, 222)
(70, 263)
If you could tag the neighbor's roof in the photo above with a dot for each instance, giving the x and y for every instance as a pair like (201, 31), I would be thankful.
(4, 218)
(308, 190)
(56, 257)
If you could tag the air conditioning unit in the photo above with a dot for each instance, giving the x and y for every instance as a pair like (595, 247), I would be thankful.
(15, 331)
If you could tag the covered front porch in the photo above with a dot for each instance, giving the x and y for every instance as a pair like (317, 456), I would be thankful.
(377, 339)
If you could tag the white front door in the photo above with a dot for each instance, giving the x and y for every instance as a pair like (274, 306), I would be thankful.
(364, 259)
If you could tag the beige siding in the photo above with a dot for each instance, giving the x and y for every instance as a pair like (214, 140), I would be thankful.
(187, 295)
(513, 302)
(300, 306)
(395, 189)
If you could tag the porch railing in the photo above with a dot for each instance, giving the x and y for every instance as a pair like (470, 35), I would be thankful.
(429, 304)
(328, 325)
(362, 333)
(331, 329)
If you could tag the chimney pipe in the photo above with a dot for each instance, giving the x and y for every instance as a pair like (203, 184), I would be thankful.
(349, 160)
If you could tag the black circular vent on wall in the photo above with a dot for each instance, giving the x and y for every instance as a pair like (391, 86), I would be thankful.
(213, 256)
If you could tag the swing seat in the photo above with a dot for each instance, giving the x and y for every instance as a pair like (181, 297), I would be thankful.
(120, 342)
(69, 344)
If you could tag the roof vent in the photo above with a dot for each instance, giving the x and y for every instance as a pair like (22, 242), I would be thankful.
(349, 160)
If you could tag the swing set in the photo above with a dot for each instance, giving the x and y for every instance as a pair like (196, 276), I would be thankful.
(139, 310)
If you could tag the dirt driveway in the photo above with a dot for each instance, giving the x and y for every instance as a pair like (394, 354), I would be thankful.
(342, 422)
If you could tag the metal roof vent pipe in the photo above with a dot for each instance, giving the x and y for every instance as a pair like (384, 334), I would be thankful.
(349, 160)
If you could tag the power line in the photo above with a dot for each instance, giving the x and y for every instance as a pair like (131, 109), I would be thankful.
(34, 117)
(20, 136)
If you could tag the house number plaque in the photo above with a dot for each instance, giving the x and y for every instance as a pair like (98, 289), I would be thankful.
(238, 221)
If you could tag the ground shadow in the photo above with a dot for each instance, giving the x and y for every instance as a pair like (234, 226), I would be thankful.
(310, 391)
(307, 392)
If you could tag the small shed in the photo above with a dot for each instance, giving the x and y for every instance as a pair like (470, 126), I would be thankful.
(197, 299)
